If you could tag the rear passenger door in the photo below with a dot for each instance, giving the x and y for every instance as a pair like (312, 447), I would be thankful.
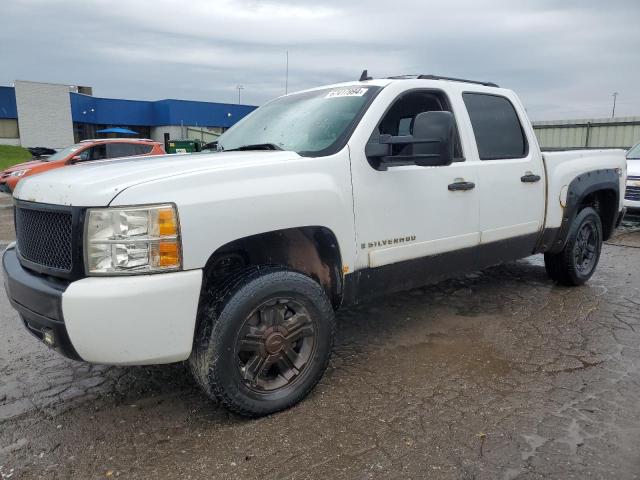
(511, 176)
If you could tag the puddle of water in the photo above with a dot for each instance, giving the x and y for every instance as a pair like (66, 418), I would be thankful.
(512, 473)
(573, 438)
(461, 354)
(535, 442)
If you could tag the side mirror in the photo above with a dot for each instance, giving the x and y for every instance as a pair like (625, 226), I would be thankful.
(433, 138)
(431, 144)
(76, 158)
(375, 148)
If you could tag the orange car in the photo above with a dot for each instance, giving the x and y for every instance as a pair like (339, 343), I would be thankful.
(84, 151)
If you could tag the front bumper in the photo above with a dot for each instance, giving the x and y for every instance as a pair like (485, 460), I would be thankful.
(632, 204)
(38, 300)
(127, 320)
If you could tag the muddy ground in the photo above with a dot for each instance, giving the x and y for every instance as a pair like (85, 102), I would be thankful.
(497, 375)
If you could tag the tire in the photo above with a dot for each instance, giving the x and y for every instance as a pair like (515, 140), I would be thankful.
(571, 267)
(263, 314)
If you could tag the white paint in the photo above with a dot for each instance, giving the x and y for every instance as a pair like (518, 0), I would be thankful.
(563, 167)
(410, 200)
(246, 193)
(508, 206)
(510, 231)
(134, 320)
(44, 114)
(399, 253)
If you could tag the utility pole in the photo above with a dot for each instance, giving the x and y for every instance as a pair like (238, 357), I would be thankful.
(239, 87)
(613, 112)
(286, 78)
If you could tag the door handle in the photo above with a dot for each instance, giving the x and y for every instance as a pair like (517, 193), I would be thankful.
(529, 178)
(461, 186)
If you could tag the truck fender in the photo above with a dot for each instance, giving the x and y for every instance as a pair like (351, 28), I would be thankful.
(605, 180)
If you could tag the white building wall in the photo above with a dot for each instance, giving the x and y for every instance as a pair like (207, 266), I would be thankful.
(44, 114)
(157, 133)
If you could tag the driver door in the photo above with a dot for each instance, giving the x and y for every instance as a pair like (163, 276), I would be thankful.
(410, 222)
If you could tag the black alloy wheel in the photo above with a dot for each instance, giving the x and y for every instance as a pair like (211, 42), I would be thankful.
(586, 247)
(577, 261)
(263, 341)
(275, 345)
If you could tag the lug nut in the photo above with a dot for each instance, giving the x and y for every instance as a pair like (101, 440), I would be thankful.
(48, 337)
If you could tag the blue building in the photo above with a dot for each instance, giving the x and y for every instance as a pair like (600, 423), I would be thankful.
(34, 114)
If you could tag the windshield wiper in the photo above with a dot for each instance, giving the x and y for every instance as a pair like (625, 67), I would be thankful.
(255, 146)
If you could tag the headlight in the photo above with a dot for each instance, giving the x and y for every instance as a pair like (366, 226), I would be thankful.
(132, 240)
(19, 173)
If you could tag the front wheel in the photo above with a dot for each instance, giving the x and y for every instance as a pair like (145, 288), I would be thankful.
(577, 262)
(263, 341)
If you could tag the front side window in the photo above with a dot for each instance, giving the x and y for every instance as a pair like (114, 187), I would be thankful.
(97, 152)
(312, 123)
(64, 153)
(399, 121)
(498, 132)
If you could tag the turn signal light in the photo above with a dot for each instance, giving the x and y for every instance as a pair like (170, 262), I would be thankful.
(167, 223)
(169, 251)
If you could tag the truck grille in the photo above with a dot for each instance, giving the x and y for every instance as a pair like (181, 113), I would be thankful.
(633, 192)
(44, 237)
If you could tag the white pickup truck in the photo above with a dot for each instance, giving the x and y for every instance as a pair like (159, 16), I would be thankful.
(236, 260)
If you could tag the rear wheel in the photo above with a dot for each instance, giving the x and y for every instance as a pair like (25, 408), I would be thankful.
(577, 262)
(264, 341)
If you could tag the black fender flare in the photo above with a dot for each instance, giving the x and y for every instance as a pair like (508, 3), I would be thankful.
(554, 239)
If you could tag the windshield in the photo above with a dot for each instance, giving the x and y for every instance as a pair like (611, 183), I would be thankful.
(64, 153)
(634, 153)
(310, 123)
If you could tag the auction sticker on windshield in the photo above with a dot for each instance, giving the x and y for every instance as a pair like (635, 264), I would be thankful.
(347, 92)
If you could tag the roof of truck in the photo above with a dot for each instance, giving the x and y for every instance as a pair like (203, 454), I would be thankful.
(383, 82)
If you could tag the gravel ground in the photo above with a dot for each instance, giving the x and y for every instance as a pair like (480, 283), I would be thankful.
(497, 375)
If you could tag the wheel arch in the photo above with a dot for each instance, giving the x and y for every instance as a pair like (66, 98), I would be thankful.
(599, 189)
(311, 250)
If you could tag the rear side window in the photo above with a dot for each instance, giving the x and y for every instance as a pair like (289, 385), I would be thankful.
(120, 150)
(143, 149)
(128, 149)
(498, 132)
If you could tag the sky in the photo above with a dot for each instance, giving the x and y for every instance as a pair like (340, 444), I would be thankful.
(564, 58)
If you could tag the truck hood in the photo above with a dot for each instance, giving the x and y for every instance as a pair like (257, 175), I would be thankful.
(97, 183)
(22, 166)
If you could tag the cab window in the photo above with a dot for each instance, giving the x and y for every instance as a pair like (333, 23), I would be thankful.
(499, 134)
